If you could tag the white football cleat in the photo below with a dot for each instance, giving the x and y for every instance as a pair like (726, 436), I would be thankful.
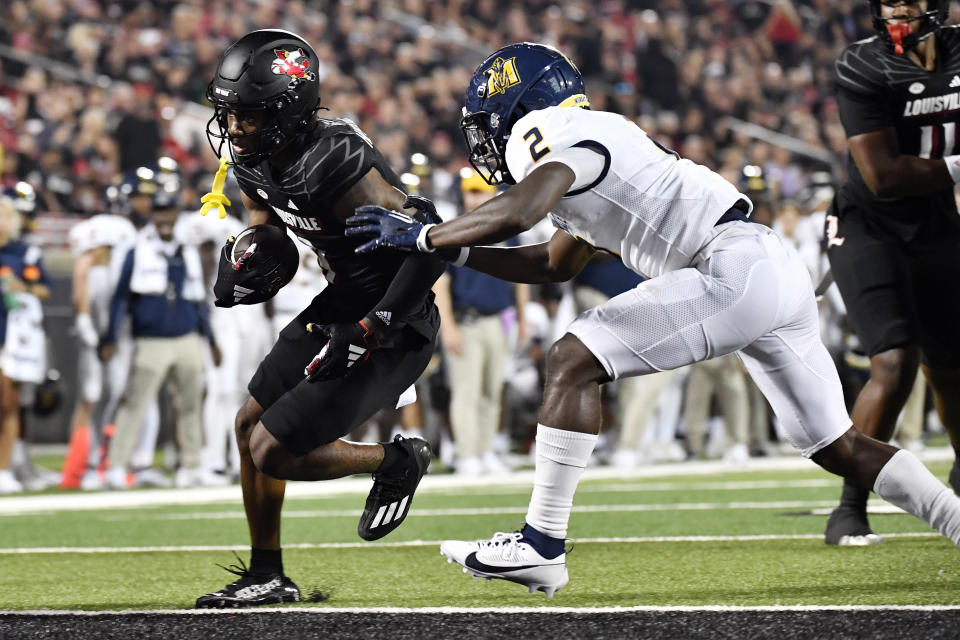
(115, 478)
(150, 477)
(866, 540)
(508, 556)
(91, 480)
(8, 483)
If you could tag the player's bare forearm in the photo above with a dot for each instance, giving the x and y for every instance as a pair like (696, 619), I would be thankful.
(890, 174)
(444, 300)
(39, 291)
(555, 261)
(913, 176)
(81, 269)
(510, 213)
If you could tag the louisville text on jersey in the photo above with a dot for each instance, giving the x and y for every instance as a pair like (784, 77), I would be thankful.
(298, 222)
(933, 104)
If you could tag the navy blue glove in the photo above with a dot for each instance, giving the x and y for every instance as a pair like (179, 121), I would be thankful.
(346, 345)
(388, 228)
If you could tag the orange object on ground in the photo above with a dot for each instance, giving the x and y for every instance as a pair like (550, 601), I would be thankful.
(75, 462)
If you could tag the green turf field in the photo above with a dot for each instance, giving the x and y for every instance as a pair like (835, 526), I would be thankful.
(761, 546)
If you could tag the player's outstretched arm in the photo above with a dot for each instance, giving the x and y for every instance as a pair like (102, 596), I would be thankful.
(418, 272)
(503, 217)
(555, 261)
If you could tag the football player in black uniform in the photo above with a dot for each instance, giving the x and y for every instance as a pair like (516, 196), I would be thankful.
(363, 341)
(893, 232)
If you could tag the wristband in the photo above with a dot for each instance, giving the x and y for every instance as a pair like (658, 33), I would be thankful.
(953, 167)
(462, 258)
(423, 244)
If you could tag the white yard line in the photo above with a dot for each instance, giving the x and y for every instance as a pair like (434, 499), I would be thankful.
(819, 507)
(432, 543)
(28, 504)
(709, 486)
(501, 610)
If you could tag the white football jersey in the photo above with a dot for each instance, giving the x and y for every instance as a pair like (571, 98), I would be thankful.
(648, 206)
(102, 230)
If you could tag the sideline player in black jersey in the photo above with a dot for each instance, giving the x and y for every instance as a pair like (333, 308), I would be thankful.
(893, 232)
(360, 343)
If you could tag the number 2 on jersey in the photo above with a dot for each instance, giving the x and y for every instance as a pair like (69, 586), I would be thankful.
(535, 153)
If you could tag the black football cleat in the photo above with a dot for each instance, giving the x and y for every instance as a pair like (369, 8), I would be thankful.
(251, 590)
(848, 527)
(388, 502)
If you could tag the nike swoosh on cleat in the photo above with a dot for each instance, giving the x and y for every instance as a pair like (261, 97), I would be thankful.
(472, 563)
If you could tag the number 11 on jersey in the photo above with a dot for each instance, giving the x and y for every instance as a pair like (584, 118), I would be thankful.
(928, 143)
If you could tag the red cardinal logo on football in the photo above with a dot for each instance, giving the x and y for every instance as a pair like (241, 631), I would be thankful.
(291, 63)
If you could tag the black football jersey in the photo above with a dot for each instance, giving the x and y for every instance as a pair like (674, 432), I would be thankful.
(878, 89)
(333, 157)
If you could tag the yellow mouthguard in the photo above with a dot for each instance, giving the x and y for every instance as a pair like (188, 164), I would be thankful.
(216, 199)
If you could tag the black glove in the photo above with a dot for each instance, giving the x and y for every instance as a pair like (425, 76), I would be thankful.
(424, 206)
(257, 275)
(346, 345)
(225, 288)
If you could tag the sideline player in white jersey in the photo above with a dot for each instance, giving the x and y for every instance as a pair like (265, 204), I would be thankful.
(91, 242)
(717, 284)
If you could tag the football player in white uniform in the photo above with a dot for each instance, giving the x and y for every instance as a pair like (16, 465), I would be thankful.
(91, 242)
(717, 284)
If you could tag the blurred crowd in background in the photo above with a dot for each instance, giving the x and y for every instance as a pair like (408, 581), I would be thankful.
(126, 71)
(93, 90)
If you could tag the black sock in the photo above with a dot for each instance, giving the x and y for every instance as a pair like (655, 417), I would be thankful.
(853, 496)
(266, 561)
(393, 457)
(545, 545)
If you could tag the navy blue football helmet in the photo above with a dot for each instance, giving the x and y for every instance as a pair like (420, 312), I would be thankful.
(903, 36)
(510, 83)
(160, 182)
(23, 197)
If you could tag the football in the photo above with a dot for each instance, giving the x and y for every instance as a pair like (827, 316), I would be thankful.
(267, 259)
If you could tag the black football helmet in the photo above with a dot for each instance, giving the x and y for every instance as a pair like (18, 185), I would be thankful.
(904, 36)
(272, 72)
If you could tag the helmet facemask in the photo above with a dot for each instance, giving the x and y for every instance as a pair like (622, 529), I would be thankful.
(906, 33)
(487, 148)
(271, 136)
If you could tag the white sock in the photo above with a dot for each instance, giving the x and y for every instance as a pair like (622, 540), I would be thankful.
(905, 482)
(561, 458)
(19, 457)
